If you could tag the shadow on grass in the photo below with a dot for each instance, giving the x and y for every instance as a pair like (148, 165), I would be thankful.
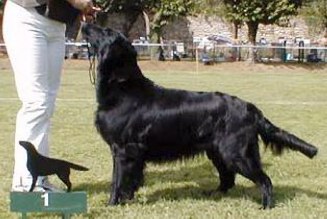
(281, 194)
(93, 187)
(196, 182)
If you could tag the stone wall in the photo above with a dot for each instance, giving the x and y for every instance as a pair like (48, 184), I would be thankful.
(186, 28)
(204, 26)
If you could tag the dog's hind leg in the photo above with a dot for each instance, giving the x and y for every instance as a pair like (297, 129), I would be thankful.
(64, 177)
(249, 166)
(226, 176)
(114, 195)
(263, 181)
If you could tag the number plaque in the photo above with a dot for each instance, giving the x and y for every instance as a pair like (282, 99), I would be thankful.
(65, 203)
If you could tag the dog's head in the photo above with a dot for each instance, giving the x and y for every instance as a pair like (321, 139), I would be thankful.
(115, 53)
(28, 146)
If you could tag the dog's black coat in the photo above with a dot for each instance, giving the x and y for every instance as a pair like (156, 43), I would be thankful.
(39, 165)
(144, 122)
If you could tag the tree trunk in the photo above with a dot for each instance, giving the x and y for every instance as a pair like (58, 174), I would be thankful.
(102, 19)
(1, 17)
(147, 25)
(157, 38)
(236, 24)
(73, 29)
(156, 33)
(130, 19)
(252, 34)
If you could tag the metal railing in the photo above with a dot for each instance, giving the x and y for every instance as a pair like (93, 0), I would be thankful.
(217, 53)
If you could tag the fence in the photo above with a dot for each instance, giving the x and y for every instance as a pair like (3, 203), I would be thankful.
(212, 54)
(268, 53)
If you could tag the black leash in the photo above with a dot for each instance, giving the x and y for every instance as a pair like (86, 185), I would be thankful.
(91, 56)
(92, 53)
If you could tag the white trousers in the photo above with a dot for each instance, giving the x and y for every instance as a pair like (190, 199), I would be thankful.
(36, 47)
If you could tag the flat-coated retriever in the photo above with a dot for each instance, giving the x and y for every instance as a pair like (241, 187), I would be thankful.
(144, 122)
(39, 165)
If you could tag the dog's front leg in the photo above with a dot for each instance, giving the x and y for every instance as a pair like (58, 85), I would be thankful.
(114, 196)
(34, 178)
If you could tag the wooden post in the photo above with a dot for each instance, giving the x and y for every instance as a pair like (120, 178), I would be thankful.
(197, 60)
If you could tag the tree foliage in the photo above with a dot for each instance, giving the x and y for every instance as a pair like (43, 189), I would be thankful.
(164, 11)
(129, 9)
(1, 4)
(160, 12)
(255, 12)
(209, 7)
(315, 14)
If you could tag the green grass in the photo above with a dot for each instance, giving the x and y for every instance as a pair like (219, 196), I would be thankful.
(294, 100)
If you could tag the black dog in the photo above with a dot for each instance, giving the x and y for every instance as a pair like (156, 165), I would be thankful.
(39, 165)
(144, 122)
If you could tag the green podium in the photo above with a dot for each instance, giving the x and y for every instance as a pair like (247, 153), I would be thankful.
(52, 202)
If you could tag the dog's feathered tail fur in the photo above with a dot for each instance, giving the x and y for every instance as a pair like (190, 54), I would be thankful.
(278, 139)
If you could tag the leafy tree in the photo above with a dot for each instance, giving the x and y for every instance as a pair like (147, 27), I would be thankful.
(156, 13)
(255, 12)
(164, 11)
(159, 12)
(209, 7)
(1, 4)
(218, 8)
(315, 14)
(129, 9)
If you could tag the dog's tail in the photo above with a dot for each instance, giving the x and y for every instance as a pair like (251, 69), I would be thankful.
(278, 139)
(77, 167)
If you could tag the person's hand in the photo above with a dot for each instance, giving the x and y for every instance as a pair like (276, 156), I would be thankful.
(80, 4)
(88, 14)
(86, 6)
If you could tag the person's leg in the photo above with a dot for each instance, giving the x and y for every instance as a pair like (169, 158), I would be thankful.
(55, 55)
(26, 37)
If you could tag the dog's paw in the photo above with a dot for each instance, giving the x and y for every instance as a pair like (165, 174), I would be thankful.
(210, 192)
(267, 206)
(113, 201)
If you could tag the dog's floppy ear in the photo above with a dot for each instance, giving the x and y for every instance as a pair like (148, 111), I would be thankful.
(118, 64)
(105, 64)
(126, 73)
(118, 60)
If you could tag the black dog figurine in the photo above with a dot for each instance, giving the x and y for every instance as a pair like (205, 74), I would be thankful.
(143, 122)
(39, 165)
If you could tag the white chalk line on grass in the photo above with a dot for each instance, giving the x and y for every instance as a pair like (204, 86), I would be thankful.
(90, 100)
(13, 99)
(290, 103)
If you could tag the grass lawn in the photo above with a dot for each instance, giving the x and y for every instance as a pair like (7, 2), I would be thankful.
(293, 97)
